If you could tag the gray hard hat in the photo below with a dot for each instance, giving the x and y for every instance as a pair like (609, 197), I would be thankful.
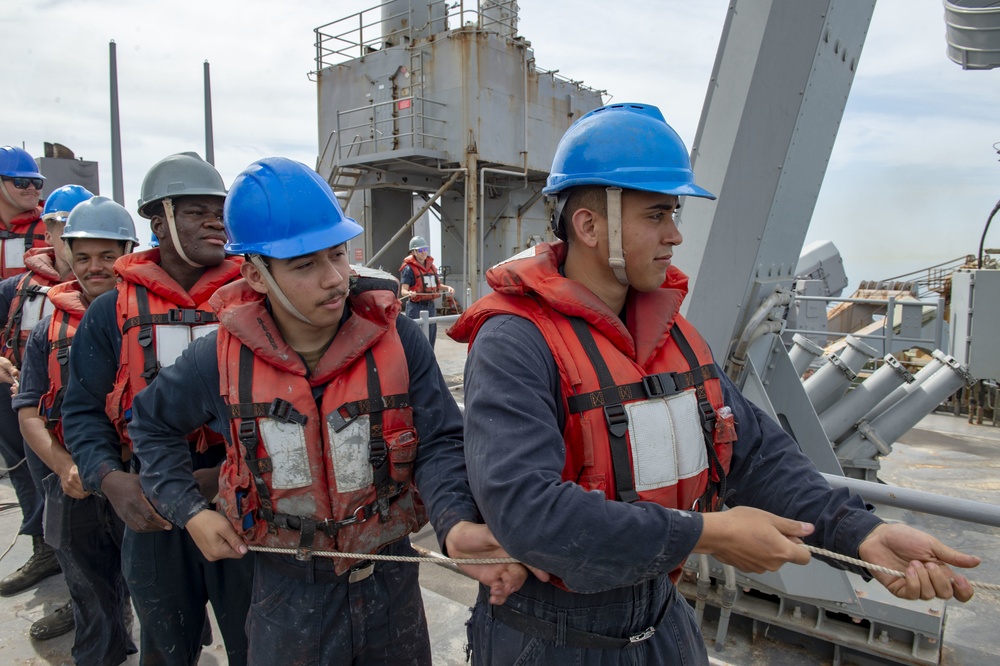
(100, 217)
(417, 241)
(180, 175)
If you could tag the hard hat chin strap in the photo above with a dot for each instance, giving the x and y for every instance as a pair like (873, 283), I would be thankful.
(616, 254)
(275, 290)
(168, 212)
(6, 195)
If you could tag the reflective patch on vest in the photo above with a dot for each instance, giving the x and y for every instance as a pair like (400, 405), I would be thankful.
(13, 253)
(34, 309)
(202, 331)
(349, 449)
(171, 340)
(430, 281)
(667, 440)
(286, 447)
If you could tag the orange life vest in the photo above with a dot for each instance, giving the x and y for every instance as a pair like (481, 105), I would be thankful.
(29, 305)
(645, 417)
(425, 278)
(329, 473)
(158, 320)
(67, 298)
(22, 233)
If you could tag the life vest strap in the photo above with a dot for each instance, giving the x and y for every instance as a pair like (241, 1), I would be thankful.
(614, 414)
(26, 291)
(248, 438)
(61, 348)
(344, 415)
(278, 409)
(378, 451)
(174, 317)
(7, 234)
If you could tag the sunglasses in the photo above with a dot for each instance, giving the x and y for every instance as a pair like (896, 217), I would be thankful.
(423, 249)
(23, 183)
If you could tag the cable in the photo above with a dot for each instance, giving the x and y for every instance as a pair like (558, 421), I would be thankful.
(982, 240)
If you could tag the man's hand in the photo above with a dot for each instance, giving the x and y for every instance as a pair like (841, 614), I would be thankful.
(71, 483)
(752, 540)
(208, 482)
(475, 541)
(125, 494)
(923, 558)
(215, 537)
(8, 373)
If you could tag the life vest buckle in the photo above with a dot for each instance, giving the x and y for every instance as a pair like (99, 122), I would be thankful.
(184, 316)
(617, 419)
(343, 416)
(284, 412)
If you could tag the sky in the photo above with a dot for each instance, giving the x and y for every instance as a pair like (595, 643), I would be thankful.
(912, 178)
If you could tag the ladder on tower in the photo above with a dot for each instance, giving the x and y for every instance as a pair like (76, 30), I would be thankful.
(344, 179)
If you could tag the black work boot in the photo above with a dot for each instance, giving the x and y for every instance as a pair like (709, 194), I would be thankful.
(56, 623)
(39, 566)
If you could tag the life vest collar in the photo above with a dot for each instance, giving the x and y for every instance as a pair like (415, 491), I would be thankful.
(42, 262)
(68, 297)
(535, 273)
(143, 268)
(425, 267)
(22, 219)
(244, 313)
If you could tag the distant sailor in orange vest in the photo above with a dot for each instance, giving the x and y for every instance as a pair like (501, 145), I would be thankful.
(418, 279)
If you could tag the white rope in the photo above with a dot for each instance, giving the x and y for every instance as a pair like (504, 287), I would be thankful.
(437, 559)
(442, 560)
(880, 569)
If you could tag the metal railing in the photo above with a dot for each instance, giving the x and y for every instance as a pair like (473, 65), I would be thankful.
(388, 125)
(888, 337)
(363, 32)
(426, 320)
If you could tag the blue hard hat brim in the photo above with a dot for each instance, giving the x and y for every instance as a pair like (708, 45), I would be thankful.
(287, 248)
(679, 189)
(24, 174)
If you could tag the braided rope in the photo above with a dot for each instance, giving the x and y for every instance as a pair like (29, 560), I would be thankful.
(992, 587)
(386, 558)
(442, 560)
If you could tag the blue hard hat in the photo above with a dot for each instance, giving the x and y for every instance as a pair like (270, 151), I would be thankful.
(63, 200)
(281, 208)
(17, 163)
(154, 241)
(629, 146)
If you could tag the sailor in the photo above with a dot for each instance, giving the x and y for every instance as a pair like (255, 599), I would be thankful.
(418, 279)
(602, 439)
(20, 213)
(82, 528)
(333, 408)
(22, 305)
(125, 338)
